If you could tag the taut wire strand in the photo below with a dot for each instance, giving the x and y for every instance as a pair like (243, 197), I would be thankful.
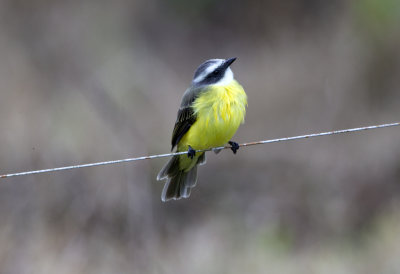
(215, 148)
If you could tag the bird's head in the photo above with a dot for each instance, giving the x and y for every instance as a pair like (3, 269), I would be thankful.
(214, 72)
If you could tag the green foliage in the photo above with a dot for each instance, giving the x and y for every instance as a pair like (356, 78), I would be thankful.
(379, 17)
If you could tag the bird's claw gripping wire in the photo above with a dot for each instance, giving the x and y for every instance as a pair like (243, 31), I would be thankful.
(191, 152)
(234, 146)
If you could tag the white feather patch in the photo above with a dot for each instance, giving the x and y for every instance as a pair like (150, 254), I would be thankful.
(208, 70)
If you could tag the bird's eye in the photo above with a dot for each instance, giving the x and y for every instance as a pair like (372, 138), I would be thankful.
(216, 72)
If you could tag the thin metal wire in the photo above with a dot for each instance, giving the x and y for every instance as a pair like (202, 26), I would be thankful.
(215, 148)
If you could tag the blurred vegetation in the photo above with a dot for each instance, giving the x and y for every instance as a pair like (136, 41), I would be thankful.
(85, 81)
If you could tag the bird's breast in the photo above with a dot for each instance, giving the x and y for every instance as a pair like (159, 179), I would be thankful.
(220, 110)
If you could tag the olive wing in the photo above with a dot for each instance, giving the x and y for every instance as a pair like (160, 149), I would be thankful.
(186, 115)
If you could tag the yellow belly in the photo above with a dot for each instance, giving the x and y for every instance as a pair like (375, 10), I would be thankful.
(219, 112)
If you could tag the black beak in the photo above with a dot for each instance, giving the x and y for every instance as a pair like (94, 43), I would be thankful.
(229, 61)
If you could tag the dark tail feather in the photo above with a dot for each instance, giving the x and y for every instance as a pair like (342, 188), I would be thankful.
(170, 169)
(179, 186)
(179, 183)
(202, 159)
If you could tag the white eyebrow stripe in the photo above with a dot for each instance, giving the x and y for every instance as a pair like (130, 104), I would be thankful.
(206, 72)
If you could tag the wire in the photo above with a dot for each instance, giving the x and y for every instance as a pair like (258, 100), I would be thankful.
(215, 148)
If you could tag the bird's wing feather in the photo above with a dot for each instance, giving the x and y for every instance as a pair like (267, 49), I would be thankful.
(186, 116)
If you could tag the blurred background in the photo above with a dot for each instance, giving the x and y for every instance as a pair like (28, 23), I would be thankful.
(87, 81)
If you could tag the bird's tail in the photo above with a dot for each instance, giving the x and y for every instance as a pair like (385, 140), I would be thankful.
(179, 182)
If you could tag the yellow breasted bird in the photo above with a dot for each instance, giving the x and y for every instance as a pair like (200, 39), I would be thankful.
(211, 111)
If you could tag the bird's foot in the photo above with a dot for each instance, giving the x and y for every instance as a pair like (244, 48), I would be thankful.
(234, 146)
(191, 152)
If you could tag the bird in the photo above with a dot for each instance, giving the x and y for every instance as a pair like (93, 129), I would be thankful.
(211, 111)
